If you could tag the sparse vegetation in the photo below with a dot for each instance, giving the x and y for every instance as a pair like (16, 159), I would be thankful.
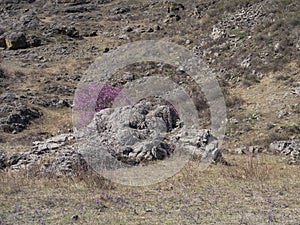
(256, 190)
(254, 44)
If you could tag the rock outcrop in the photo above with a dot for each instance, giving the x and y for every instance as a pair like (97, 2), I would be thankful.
(290, 148)
(149, 130)
(55, 157)
(15, 116)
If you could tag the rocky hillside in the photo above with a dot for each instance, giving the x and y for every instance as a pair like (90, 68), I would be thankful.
(253, 46)
(49, 129)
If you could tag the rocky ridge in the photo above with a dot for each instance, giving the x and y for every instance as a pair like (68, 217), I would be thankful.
(133, 135)
(55, 156)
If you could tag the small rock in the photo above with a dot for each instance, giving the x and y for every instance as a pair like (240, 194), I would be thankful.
(16, 40)
(3, 160)
(123, 37)
(75, 217)
(277, 47)
(106, 50)
(157, 27)
(255, 149)
(34, 41)
(282, 113)
(188, 42)
(217, 33)
(128, 29)
(240, 150)
(150, 30)
(2, 74)
(2, 42)
(72, 32)
(295, 91)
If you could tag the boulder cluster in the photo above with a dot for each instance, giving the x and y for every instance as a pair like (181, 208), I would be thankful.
(149, 130)
(134, 135)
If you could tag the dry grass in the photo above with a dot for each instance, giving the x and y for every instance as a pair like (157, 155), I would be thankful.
(266, 100)
(255, 190)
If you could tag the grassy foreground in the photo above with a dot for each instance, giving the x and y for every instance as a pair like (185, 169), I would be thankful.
(254, 190)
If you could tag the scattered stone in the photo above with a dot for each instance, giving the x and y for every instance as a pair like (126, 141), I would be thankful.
(157, 27)
(15, 118)
(59, 89)
(295, 91)
(255, 149)
(277, 47)
(240, 150)
(246, 62)
(289, 148)
(282, 113)
(217, 33)
(40, 147)
(69, 31)
(76, 9)
(52, 103)
(120, 10)
(30, 21)
(72, 32)
(123, 37)
(173, 17)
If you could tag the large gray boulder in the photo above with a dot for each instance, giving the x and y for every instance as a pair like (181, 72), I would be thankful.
(150, 130)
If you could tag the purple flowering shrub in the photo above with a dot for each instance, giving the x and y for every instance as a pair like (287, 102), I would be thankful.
(85, 105)
(107, 96)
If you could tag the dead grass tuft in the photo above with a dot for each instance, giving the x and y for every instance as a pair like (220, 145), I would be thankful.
(253, 167)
